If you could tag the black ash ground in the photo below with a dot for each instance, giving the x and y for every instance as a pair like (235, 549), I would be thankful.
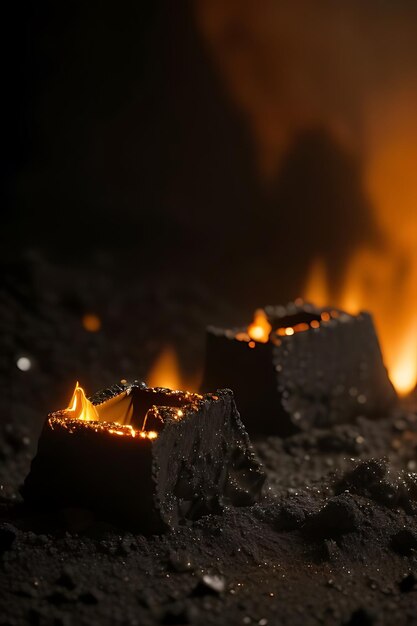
(329, 545)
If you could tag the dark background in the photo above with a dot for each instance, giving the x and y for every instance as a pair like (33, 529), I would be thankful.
(122, 137)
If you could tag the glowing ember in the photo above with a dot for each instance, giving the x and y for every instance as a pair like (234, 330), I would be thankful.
(260, 328)
(150, 434)
(91, 322)
(288, 331)
(300, 328)
(126, 430)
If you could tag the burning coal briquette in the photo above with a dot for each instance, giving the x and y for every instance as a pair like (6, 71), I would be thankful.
(147, 458)
(300, 366)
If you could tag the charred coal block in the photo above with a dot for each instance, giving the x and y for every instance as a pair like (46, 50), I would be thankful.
(152, 459)
(298, 367)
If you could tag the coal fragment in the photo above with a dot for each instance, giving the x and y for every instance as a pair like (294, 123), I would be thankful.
(339, 515)
(330, 550)
(374, 479)
(193, 458)
(317, 368)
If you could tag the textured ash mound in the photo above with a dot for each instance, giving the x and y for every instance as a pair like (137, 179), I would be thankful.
(334, 541)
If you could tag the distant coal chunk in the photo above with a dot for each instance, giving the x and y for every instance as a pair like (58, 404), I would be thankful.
(316, 367)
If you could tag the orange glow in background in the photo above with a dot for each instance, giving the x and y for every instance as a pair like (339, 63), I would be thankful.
(383, 280)
(293, 66)
(91, 322)
(370, 286)
(166, 372)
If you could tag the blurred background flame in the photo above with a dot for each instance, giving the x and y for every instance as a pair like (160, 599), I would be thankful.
(351, 69)
(166, 372)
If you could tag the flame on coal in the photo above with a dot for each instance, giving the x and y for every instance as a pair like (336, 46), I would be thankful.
(260, 328)
(80, 407)
(116, 412)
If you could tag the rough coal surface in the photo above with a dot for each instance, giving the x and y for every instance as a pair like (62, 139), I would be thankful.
(195, 465)
(315, 378)
(333, 542)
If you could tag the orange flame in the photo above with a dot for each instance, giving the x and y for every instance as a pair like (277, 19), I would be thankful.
(403, 370)
(383, 280)
(260, 328)
(80, 408)
(166, 372)
(316, 285)
(372, 283)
